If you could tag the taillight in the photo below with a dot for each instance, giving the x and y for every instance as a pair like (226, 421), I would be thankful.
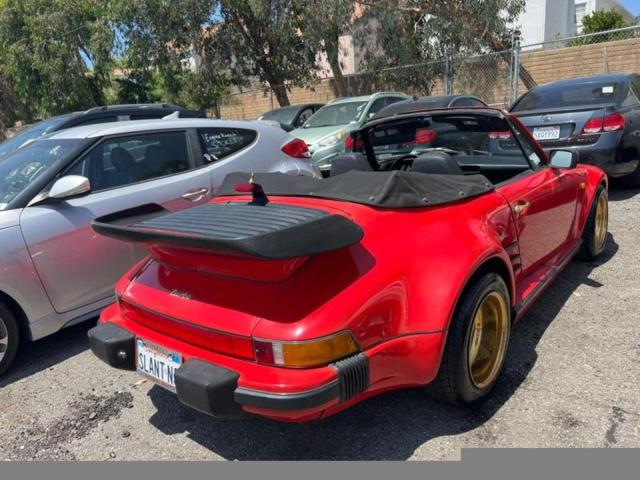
(351, 144)
(593, 125)
(500, 135)
(306, 354)
(297, 148)
(613, 122)
(610, 123)
(424, 136)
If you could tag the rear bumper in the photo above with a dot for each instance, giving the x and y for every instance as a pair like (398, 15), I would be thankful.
(220, 385)
(213, 389)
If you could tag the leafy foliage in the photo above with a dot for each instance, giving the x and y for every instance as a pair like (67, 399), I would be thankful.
(424, 33)
(326, 21)
(47, 45)
(262, 39)
(602, 21)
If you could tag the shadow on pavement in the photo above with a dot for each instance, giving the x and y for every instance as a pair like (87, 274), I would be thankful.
(33, 357)
(388, 427)
(619, 190)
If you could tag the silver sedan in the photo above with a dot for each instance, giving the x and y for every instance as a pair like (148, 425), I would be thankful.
(54, 270)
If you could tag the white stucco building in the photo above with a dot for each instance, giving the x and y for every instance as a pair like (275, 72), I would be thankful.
(546, 20)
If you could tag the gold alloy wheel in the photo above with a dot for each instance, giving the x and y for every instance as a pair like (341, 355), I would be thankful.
(488, 339)
(602, 221)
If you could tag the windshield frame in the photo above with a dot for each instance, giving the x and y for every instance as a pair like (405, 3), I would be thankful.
(363, 134)
(23, 197)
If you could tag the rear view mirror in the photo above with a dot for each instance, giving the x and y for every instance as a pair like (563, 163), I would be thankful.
(563, 159)
(69, 187)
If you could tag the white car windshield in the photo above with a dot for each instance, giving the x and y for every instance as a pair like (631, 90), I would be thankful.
(19, 170)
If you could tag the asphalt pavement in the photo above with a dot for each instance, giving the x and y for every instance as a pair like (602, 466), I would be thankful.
(572, 380)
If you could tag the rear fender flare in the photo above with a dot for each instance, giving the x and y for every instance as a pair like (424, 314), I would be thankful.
(595, 178)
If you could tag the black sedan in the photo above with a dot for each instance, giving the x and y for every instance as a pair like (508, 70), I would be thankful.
(292, 117)
(598, 117)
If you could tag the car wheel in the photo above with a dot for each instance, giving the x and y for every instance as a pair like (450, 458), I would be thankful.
(477, 343)
(9, 338)
(594, 237)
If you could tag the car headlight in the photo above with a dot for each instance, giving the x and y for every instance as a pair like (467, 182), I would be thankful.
(305, 354)
(332, 140)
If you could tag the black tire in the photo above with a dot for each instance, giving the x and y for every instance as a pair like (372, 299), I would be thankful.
(454, 383)
(591, 248)
(9, 338)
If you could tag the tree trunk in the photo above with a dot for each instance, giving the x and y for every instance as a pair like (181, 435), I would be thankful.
(333, 58)
(280, 91)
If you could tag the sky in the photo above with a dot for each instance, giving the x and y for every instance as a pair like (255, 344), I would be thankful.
(632, 5)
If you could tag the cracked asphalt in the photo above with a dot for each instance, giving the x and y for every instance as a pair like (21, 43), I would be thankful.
(572, 380)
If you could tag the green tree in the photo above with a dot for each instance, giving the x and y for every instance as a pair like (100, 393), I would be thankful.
(326, 21)
(263, 39)
(426, 32)
(56, 54)
(603, 20)
(168, 49)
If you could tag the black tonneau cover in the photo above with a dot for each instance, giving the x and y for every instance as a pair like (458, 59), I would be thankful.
(394, 189)
(274, 231)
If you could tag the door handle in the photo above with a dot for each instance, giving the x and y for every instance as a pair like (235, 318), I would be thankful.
(195, 195)
(521, 207)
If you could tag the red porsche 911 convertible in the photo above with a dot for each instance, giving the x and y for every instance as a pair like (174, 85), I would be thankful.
(294, 298)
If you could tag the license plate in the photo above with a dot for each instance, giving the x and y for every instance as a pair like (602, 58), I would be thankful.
(157, 363)
(546, 133)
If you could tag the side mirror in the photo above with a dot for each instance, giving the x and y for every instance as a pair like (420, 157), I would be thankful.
(69, 187)
(563, 159)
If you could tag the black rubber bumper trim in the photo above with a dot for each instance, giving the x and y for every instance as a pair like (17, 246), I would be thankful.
(208, 388)
(288, 401)
(113, 345)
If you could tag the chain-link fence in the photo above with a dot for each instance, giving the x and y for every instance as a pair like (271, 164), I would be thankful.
(498, 78)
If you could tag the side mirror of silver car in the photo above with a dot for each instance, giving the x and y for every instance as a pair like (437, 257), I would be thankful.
(69, 187)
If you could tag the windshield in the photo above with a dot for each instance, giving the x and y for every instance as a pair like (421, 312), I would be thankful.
(337, 114)
(568, 95)
(281, 115)
(19, 170)
(30, 133)
(473, 142)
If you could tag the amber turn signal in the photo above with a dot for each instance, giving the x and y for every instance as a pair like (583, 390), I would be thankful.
(306, 354)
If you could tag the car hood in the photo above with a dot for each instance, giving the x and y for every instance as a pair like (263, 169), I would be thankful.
(9, 218)
(314, 135)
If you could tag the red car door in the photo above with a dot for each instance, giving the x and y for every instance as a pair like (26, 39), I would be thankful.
(544, 206)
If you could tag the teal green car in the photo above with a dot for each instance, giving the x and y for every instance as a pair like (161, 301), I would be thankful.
(327, 130)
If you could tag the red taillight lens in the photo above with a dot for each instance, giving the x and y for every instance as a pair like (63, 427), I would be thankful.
(351, 144)
(500, 135)
(424, 136)
(593, 125)
(613, 122)
(297, 148)
(212, 340)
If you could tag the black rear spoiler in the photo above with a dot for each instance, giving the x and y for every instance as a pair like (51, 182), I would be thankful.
(270, 232)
